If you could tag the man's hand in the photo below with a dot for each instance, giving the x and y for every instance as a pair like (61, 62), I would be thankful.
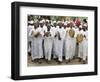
(56, 35)
(38, 33)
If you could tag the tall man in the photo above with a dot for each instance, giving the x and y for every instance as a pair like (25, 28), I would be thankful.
(70, 43)
(82, 38)
(48, 42)
(29, 28)
(34, 45)
(37, 50)
(59, 42)
(54, 37)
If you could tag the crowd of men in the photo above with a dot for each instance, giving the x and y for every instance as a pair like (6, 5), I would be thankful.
(58, 40)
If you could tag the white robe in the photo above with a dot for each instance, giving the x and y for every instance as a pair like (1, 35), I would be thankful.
(83, 47)
(54, 47)
(37, 49)
(29, 38)
(59, 44)
(45, 28)
(70, 45)
(29, 29)
(48, 42)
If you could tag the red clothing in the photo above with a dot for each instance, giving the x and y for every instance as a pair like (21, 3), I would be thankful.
(77, 22)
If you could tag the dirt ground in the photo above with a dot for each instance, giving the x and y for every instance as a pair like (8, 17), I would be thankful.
(52, 62)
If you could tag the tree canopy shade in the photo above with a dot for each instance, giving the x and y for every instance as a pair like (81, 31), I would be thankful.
(54, 18)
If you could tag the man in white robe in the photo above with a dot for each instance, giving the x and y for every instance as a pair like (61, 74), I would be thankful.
(83, 47)
(48, 43)
(64, 46)
(34, 44)
(37, 49)
(60, 42)
(29, 28)
(70, 45)
(53, 31)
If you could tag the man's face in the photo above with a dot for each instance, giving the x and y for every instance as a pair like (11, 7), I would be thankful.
(80, 29)
(60, 25)
(55, 24)
(48, 27)
(46, 23)
(71, 25)
(65, 26)
(41, 24)
(36, 25)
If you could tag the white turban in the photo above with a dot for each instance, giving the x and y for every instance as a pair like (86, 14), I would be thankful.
(47, 20)
(54, 21)
(31, 22)
(80, 26)
(65, 23)
(85, 25)
(41, 21)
